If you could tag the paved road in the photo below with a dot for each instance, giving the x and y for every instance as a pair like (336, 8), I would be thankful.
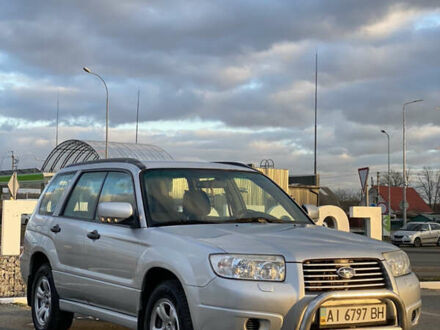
(425, 261)
(13, 317)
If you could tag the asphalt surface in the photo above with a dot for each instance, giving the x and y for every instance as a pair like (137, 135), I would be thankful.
(14, 317)
(425, 261)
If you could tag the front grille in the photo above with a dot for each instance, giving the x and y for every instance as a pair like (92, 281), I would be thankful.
(398, 237)
(321, 275)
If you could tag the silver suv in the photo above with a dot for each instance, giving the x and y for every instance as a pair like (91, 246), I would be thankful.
(177, 245)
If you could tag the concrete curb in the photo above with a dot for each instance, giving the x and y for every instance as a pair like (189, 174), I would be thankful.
(434, 285)
(14, 300)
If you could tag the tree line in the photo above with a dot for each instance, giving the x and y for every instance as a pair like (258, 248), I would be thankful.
(426, 182)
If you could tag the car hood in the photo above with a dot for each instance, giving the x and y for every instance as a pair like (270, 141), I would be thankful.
(404, 232)
(295, 242)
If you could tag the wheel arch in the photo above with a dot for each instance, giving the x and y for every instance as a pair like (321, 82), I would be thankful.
(153, 277)
(37, 259)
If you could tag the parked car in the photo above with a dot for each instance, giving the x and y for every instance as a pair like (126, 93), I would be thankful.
(177, 245)
(417, 234)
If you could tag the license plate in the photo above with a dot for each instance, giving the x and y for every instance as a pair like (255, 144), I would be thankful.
(338, 315)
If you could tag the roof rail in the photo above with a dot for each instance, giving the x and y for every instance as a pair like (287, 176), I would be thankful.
(132, 161)
(235, 164)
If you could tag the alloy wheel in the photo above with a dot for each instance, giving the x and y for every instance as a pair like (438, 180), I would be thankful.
(417, 242)
(164, 316)
(42, 301)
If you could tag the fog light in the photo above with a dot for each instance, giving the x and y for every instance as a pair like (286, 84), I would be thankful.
(252, 324)
(415, 316)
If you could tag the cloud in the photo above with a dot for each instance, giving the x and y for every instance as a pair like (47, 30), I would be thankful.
(237, 76)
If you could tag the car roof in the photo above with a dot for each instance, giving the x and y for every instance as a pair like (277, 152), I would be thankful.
(149, 164)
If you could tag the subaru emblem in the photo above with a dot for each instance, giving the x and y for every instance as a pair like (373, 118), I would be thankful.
(346, 272)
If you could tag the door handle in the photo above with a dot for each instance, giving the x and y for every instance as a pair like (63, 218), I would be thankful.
(93, 234)
(55, 229)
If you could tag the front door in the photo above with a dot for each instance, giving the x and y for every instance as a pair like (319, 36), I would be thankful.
(113, 253)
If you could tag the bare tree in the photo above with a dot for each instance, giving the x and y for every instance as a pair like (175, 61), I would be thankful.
(429, 186)
(396, 178)
(348, 194)
(348, 197)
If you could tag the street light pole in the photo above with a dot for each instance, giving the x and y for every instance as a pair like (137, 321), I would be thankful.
(405, 183)
(86, 69)
(389, 175)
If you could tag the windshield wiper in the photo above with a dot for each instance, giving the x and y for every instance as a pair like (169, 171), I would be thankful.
(182, 222)
(256, 220)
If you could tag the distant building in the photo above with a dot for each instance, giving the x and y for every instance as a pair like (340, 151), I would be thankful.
(416, 204)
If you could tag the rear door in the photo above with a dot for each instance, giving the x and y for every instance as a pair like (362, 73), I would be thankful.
(425, 233)
(435, 232)
(70, 235)
(113, 253)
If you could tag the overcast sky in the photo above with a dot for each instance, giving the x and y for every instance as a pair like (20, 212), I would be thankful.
(226, 80)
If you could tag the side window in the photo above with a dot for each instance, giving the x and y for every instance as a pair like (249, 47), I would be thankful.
(118, 187)
(54, 192)
(435, 226)
(84, 198)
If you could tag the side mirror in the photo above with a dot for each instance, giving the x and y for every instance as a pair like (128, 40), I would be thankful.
(116, 212)
(312, 211)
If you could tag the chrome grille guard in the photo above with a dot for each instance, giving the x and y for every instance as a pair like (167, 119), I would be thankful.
(311, 309)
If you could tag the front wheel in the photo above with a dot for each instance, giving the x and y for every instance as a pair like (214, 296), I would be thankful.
(167, 308)
(417, 242)
(46, 313)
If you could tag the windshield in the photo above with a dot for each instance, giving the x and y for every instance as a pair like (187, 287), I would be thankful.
(415, 227)
(191, 196)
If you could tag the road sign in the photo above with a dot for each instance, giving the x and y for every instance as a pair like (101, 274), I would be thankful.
(13, 185)
(363, 175)
(404, 205)
(383, 206)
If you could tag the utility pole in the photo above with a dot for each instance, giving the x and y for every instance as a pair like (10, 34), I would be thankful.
(86, 69)
(316, 112)
(14, 161)
(366, 194)
(405, 178)
(58, 116)
(378, 187)
(389, 175)
(137, 117)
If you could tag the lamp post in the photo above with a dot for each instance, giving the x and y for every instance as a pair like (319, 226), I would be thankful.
(405, 183)
(389, 175)
(86, 69)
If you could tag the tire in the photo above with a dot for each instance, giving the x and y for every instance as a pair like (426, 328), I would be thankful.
(174, 312)
(46, 313)
(438, 242)
(417, 242)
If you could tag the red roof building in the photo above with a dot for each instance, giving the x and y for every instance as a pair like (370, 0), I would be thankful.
(416, 203)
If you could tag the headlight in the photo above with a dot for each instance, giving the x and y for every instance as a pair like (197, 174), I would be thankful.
(398, 262)
(249, 267)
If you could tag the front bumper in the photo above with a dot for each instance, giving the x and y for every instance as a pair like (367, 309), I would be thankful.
(229, 304)
(403, 240)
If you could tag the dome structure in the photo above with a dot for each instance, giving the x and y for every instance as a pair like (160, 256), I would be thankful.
(77, 151)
